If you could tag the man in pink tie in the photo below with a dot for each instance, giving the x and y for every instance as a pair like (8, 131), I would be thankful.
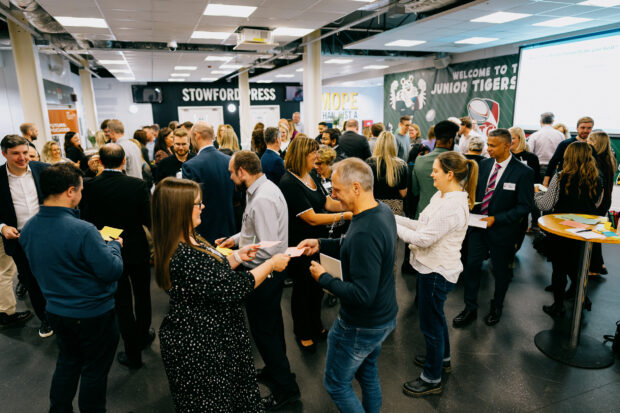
(505, 194)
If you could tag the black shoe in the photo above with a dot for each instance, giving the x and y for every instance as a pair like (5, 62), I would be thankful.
(288, 282)
(276, 402)
(311, 349)
(419, 388)
(21, 291)
(604, 271)
(124, 360)
(148, 339)
(322, 336)
(494, 315)
(549, 288)
(465, 318)
(15, 319)
(421, 360)
(45, 330)
(570, 293)
(263, 377)
(555, 310)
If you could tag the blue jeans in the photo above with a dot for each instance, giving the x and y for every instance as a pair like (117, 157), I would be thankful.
(432, 291)
(353, 352)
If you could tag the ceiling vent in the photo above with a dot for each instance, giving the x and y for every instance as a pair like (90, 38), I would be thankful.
(255, 40)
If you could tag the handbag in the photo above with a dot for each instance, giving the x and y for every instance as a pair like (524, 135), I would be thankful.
(615, 339)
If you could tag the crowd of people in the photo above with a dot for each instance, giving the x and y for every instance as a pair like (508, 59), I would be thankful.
(215, 222)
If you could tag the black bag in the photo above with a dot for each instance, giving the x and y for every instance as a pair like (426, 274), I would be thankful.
(541, 243)
(615, 346)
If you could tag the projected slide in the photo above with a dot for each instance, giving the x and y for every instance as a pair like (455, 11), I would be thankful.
(571, 78)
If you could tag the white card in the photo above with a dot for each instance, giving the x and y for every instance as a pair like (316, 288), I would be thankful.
(509, 186)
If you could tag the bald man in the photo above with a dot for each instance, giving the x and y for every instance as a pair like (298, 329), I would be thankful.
(210, 169)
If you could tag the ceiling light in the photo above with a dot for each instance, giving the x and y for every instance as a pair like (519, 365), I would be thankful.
(173, 79)
(228, 10)
(600, 3)
(292, 32)
(220, 72)
(185, 68)
(231, 66)
(376, 67)
(405, 43)
(285, 75)
(218, 58)
(500, 17)
(264, 81)
(210, 35)
(208, 79)
(119, 71)
(82, 22)
(112, 62)
(179, 74)
(365, 1)
(476, 40)
(301, 69)
(125, 79)
(338, 61)
(562, 21)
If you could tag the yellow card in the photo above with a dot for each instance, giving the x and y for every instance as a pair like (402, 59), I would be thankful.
(109, 233)
(224, 251)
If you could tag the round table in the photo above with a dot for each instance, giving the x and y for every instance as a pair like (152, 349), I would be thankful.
(569, 347)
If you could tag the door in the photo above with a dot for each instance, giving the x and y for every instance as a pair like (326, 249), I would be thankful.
(212, 114)
(268, 114)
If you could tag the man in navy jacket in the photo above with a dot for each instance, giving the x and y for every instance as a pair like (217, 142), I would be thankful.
(271, 161)
(505, 194)
(77, 272)
(210, 169)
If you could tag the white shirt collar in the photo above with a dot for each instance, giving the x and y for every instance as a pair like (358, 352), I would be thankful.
(504, 164)
(204, 147)
(28, 171)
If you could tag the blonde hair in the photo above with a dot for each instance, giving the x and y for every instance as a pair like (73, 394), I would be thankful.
(385, 152)
(465, 171)
(602, 147)
(417, 128)
(171, 211)
(562, 128)
(366, 132)
(327, 154)
(100, 139)
(521, 136)
(229, 139)
(298, 150)
(286, 129)
(46, 152)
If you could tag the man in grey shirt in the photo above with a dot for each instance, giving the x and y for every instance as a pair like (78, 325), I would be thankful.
(402, 137)
(265, 219)
(133, 154)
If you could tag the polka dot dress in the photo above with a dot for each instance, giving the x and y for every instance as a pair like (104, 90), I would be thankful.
(205, 345)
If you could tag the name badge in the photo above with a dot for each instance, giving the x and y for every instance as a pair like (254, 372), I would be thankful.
(509, 186)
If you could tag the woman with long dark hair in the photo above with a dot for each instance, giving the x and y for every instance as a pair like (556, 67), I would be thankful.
(163, 144)
(578, 188)
(205, 344)
(74, 150)
(307, 206)
(435, 241)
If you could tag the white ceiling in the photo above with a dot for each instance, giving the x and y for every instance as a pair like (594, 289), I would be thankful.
(164, 21)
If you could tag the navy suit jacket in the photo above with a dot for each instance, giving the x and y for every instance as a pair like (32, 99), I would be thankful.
(512, 199)
(210, 169)
(273, 166)
(7, 210)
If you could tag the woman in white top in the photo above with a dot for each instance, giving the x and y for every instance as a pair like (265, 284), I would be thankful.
(435, 242)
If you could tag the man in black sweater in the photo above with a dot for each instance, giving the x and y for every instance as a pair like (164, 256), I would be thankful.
(171, 166)
(366, 292)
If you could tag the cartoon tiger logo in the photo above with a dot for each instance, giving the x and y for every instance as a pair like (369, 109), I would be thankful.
(408, 97)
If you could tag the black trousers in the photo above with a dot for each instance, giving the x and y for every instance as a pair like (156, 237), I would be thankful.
(596, 260)
(564, 256)
(26, 277)
(306, 299)
(133, 307)
(479, 249)
(267, 327)
(86, 351)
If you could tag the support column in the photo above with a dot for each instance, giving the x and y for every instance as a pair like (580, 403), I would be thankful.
(29, 81)
(245, 123)
(88, 97)
(313, 86)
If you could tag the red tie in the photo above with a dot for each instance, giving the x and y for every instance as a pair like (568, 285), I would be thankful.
(484, 208)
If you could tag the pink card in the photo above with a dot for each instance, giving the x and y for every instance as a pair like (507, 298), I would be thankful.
(294, 252)
(574, 224)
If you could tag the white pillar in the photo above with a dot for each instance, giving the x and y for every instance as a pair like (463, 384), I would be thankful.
(88, 101)
(29, 81)
(245, 123)
(313, 87)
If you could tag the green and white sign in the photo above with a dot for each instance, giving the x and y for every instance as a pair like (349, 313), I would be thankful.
(483, 89)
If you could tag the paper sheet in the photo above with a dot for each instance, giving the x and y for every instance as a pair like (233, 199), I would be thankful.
(574, 224)
(582, 220)
(332, 266)
(475, 220)
(585, 234)
(294, 252)
(110, 234)
(268, 244)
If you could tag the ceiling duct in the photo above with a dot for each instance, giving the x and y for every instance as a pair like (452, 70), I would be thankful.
(37, 16)
(258, 40)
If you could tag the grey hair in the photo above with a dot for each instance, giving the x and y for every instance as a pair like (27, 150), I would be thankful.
(352, 170)
(116, 126)
(547, 118)
(476, 144)
(204, 129)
